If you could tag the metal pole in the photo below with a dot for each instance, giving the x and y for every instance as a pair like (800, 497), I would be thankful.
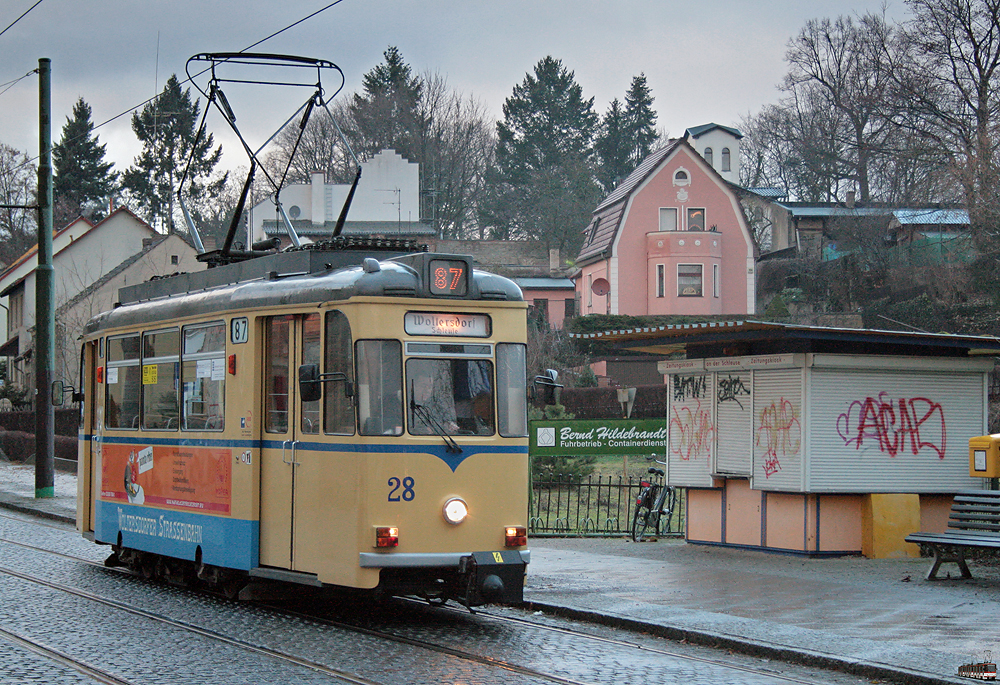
(44, 313)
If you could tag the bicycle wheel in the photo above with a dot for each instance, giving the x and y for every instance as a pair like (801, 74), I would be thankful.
(667, 510)
(639, 522)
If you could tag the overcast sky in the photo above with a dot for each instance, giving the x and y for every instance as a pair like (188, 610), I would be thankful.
(706, 61)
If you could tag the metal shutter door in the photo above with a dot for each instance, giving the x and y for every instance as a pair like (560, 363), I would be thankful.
(893, 431)
(691, 429)
(778, 443)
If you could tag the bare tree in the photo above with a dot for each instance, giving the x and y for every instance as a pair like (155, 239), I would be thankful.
(951, 80)
(459, 149)
(843, 64)
(18, 180)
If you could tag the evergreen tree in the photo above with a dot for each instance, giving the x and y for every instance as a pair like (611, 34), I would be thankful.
(542, 185)
(388, 113)
(546, 121)
(640, 120)
(166, 129)
(82, 177)
(614, 148)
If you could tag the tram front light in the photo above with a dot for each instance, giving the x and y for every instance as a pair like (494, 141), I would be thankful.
(386, 536)
(515, 536)
(455, 511)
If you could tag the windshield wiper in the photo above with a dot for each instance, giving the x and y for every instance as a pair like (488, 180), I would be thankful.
(422, 411)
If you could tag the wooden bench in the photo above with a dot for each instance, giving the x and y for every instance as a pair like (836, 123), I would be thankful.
(974, 523)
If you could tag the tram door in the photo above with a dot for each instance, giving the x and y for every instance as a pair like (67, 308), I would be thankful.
(289, 341)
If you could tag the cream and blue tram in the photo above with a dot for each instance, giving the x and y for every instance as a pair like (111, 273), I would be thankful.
(325, 418)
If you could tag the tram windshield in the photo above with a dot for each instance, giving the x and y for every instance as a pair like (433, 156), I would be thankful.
(450, 397)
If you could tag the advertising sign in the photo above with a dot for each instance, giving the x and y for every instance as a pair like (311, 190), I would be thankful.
(598, 437)
(191, 478)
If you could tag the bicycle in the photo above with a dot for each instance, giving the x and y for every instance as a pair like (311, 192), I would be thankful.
(654, 505)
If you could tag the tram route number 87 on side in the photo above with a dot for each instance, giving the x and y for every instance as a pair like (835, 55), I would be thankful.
(330, 418)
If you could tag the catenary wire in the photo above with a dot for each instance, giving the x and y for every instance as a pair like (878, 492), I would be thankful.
(21, 17)
(155, 97)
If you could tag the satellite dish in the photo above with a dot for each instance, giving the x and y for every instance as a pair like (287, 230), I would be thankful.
(601, 286)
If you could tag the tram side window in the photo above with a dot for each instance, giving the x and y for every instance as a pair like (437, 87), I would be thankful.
(160, 380)
(203, 374)
(276, 359)
(450, 396)
(338, 407)
(511, 391)
(122, 380)
(310, 355)
(380, 387)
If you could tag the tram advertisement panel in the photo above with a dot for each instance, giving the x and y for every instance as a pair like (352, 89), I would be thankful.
(180, 477)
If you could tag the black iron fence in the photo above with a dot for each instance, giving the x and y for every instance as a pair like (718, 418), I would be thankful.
(591, 506)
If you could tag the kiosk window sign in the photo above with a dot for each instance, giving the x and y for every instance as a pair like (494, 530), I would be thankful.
(599, 437)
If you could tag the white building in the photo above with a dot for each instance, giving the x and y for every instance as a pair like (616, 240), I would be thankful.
(386, 203)
(720, 147)
(83, 253)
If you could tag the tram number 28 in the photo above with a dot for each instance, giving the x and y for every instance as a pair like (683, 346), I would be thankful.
(401, 489)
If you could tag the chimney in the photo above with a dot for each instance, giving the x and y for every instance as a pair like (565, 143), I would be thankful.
(554, 260)
(147, 243)
(850, 199)
(318, 182)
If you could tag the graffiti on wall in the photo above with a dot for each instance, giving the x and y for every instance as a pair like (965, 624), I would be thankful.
(691, 431)
(731, 389)
(779, 433)
(690, 387)
(895, 425)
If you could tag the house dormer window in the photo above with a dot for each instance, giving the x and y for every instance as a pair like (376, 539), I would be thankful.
(708, 156)
(681, 177)
(725, 159)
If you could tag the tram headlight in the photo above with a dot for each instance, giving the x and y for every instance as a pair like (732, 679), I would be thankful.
(455, 510)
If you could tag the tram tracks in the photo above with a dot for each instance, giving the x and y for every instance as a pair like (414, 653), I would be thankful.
(61, 657)
(467, 655)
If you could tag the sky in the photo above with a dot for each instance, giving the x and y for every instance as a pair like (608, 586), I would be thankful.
(707, 61)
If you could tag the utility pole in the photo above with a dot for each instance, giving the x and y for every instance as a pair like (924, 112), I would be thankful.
(44, 280)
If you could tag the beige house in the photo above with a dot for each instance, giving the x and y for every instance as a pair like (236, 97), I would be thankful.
(91, 261)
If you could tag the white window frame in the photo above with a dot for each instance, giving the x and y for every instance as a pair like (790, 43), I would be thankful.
(701, 283)
(687, 218)
(665, 223)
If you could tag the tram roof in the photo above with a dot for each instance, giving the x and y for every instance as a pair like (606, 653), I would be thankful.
(300, 277)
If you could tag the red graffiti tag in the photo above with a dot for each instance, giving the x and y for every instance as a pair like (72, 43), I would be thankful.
(778, 432)
(917, 422)
(691, 432)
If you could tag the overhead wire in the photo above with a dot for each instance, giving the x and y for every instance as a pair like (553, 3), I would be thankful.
(188, 80)
(21, 17)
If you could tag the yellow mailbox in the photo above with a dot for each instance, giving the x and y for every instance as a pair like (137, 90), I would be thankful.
(984, 456)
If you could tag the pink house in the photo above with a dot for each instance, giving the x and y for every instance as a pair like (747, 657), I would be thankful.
(670, 239)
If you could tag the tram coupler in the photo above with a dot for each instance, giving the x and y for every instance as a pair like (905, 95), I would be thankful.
(493, 577)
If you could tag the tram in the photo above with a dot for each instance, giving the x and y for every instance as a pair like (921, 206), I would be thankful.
(349, 414)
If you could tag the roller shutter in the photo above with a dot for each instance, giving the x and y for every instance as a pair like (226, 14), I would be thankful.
(734, 412)
(778, 444)
(893, 431)
(691, 429)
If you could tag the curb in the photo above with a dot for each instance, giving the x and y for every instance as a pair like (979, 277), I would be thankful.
(25, 509)
(749, 647)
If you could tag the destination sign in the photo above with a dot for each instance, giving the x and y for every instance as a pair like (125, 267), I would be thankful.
(459, 325)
